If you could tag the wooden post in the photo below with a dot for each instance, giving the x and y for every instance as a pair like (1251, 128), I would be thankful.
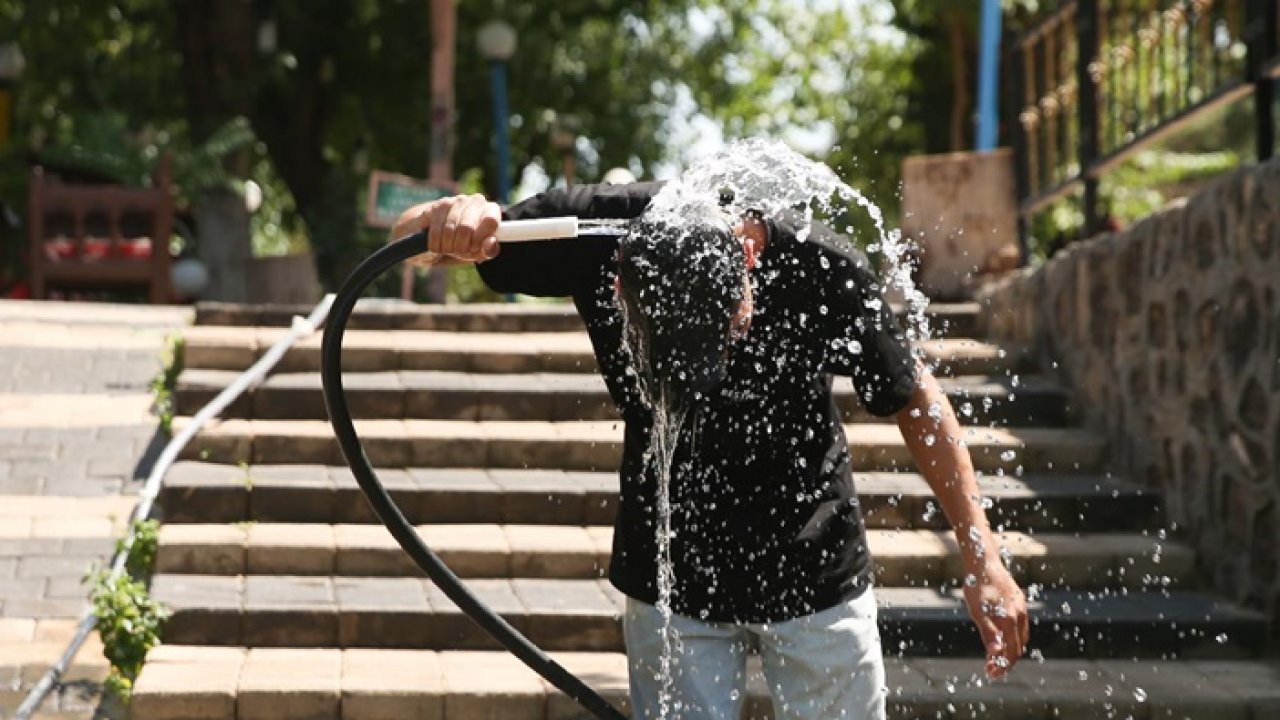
(444, 31)
(1089, 44)
(1021, 146)
(1264, 46)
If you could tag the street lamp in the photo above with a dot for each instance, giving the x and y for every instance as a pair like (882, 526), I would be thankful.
(497, 43)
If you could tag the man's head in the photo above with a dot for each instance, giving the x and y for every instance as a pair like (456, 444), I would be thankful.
(683, 286)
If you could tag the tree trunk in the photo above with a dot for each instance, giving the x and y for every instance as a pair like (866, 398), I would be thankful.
(223, 243)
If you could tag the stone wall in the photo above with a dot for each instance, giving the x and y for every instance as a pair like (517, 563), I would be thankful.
(1168, 335)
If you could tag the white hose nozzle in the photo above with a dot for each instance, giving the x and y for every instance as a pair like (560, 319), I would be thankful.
(540, 229)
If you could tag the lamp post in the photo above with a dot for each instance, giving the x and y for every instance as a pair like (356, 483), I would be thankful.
(497, 43)
(12, 64)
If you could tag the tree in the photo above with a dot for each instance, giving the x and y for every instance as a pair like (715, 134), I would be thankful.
(347, 79)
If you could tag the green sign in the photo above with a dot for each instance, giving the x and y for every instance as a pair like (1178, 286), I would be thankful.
(391, 194)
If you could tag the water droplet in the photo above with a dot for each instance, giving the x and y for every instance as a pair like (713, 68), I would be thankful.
(1008, 455)
(1140, 695)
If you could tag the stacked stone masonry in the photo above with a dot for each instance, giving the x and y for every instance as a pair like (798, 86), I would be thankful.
(1168, 336)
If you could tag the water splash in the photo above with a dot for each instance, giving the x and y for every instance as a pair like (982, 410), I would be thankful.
(748, 176)
(766, 176)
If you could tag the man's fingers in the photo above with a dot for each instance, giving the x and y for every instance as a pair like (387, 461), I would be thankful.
(435, 226)
(469, 237)
(1024, 624)
(456, 235)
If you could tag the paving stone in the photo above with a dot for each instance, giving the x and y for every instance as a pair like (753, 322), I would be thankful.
(351, 505)
(457, 495)
(551, 552)
(294, 548)
(220, 441)
(973, 695)
(284, 441)
(20, 547)
(277, 683)
(523, 444)
(384, 612)
(281, 494)
(205, 492)
(206, 609)
(451, 628)
(201, 549)
(484, 687)
(569, 615)
(470, 550)
(446, 444)
(538, 497)
(289, 611)
(42, 566)
(605, 673)
(173, 687)
(392, 684)
(17, 630)
(440, 395)
(369, 550)
(44, 607)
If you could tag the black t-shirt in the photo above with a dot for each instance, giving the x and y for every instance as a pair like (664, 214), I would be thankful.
(765, 517)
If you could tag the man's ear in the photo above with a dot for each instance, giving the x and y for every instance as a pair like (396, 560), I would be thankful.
(751, 246)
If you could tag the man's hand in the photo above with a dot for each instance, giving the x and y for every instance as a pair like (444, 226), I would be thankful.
(996, 603)
(999, 609)
(459, 228)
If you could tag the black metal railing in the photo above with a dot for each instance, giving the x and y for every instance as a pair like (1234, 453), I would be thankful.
(1097, 80)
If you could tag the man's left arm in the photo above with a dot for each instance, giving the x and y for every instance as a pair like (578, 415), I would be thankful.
(996, 603)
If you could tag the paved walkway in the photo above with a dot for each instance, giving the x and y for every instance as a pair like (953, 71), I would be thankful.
(77, 436)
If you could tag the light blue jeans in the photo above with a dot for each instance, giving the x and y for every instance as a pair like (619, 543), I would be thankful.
(826, 665)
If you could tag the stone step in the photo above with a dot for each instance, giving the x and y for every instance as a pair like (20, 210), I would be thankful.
(214, 347)
(583, 615)
(29, 646)
(215, 493)
(946, 319)
(903, 558)
(591, 445)
(183, 682)
(978, 400)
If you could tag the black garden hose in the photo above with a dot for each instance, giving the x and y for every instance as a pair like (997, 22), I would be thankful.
(336, 401)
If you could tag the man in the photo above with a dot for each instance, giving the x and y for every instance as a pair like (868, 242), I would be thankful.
(768, 538)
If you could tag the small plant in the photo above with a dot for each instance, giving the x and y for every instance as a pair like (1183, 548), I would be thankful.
(246, 477)
(128, 618)
(142, 556)
(163, 384)
(129, 622)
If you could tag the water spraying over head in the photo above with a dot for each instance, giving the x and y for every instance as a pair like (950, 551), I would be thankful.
(680, 285)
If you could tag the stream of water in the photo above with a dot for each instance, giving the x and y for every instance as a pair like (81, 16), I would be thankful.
(752, 175)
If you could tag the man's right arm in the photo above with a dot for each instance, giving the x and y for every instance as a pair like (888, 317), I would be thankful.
(461, 229)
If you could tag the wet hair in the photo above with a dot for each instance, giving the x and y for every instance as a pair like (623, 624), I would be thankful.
(681, 284)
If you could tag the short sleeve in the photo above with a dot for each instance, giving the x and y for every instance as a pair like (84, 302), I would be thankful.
(864, 339)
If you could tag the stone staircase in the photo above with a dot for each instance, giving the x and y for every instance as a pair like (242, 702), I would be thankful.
(495, 436)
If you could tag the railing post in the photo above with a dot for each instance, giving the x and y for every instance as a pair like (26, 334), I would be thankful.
(1089, 45)
(1264, 46)
(1021, 148)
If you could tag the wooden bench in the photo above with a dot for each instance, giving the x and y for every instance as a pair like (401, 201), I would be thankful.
(95, 237)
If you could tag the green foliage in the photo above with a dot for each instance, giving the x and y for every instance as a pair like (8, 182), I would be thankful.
(129, 622)
(103, 145)
(163, 384)
(141, 560)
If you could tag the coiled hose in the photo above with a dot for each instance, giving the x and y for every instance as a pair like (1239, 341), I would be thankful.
(336, 401)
